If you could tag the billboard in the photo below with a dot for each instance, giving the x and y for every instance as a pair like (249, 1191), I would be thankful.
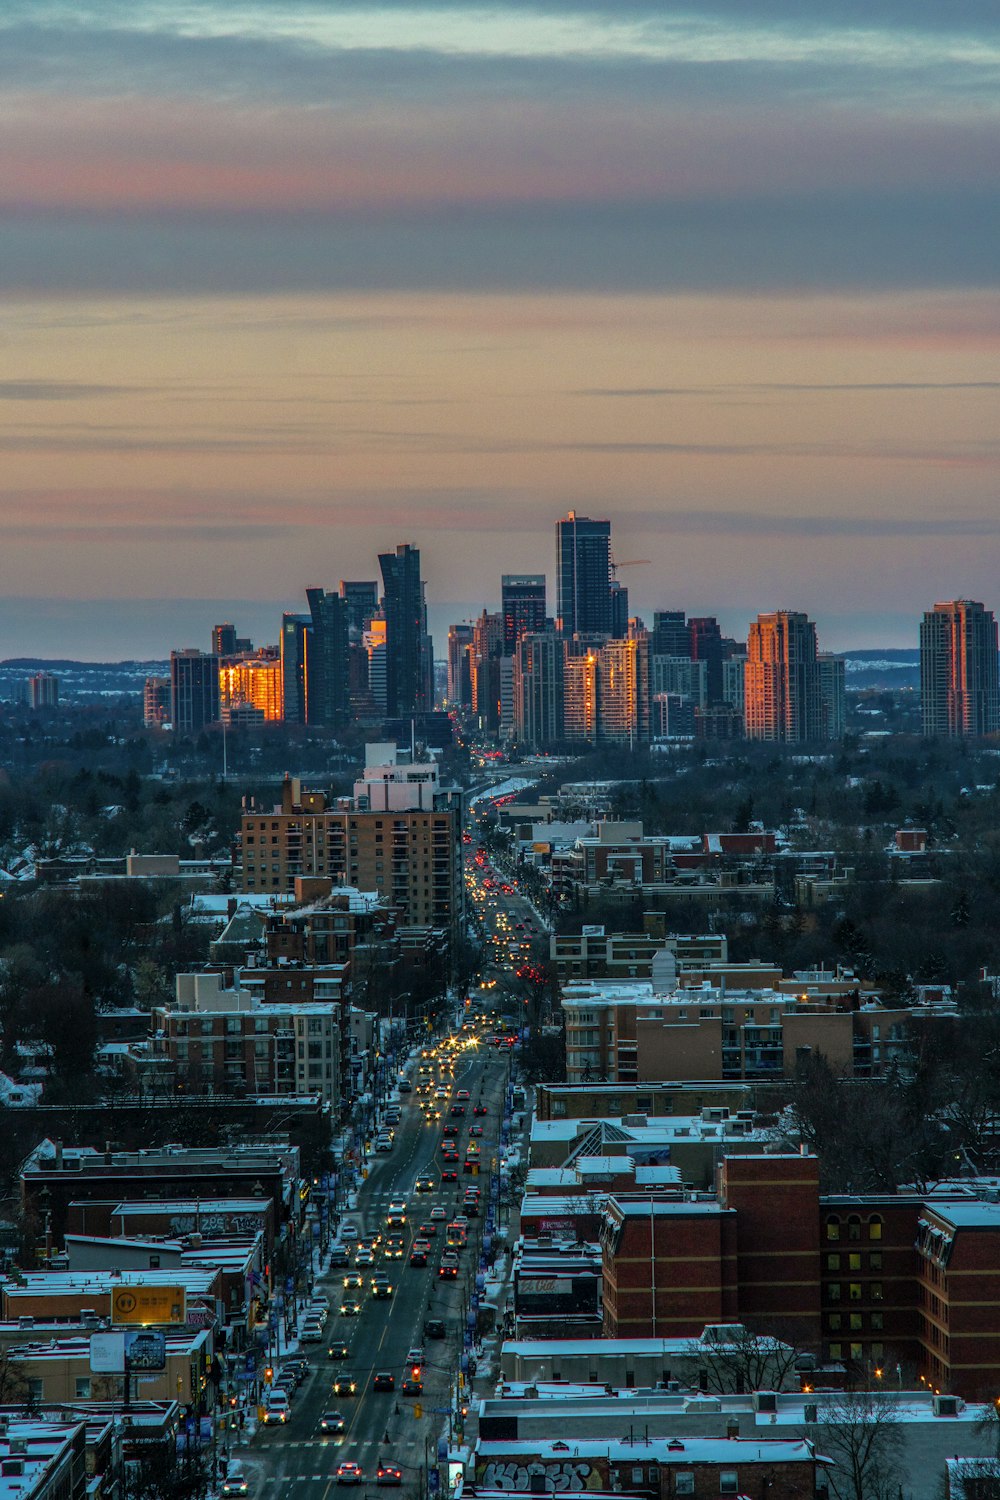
(148, 1304)
(145, 1349)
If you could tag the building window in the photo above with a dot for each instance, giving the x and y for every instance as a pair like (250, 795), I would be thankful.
(876, 1322)
(833, 1262)
(836, 1351)
(875, 1260)
(856, 1352)
(833, 1229)
(854, 1227)
(876, 1291)
(729, 1482)
(684, 1482)
(875, 1229)
(854, 1261)
(833, 1291)
(83, 1387)
(854, 1291)
(857, 1322)
(834, 1322)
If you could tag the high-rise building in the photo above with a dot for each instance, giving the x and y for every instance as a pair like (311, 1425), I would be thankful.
(958, 670)
(409, 659)
(538, 689)
(580, 697)
(619, 610)
(328, 694)
(671, 636)
(224, 639)
(194, 690)
(522, 604)
(296, 645)
(487, 649)
(253, 682)
(43, 690)
(373, 641)
(782, 698)
(583, 575)
(459, 665)
(623, 696)
(705, 644)
(156, 702)
(360, 598)
(832, 695)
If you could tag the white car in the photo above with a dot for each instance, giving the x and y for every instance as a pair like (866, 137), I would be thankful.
(311, 1333)
(349, 1230)
(277, 1409)
(383, 1143)
(235, 1482)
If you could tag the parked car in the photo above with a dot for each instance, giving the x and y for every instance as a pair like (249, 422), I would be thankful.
(277, 1408)
(434, 1328)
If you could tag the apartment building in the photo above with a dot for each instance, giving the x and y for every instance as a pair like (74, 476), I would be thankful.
(219, 1041)
(399, 837)
(626, 1032)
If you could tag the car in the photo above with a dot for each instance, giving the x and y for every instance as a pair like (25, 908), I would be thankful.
(350, 1307)
(383, 1144)
(449, 1132)
(332, 1423)
(471, 1196)
(370, 1241)
(311, 1333)
(448, 1270)
(388, 1474)
(383, 1380)
(412, 1386)
(427, 1231)
(418, 1254)
(457, 1111)
(425, 1183)
(475, 1130)
(320, 1302)
(349, 1230)
(340, 1256)
(395, 1247)
(463, 1094)
(434, 1328)
(381, 1290)
(364, 1258)
(350, 1473)
(449, 1153)
(277, 1408)
(289, 1376)
(438, 1215)
(345, 1385)
(415, 1354)
(353, 1280)
(405, 1086)
(449, 1175)
(338, 1350)
(440, 1093)
(235, 1482)
(471, 1205)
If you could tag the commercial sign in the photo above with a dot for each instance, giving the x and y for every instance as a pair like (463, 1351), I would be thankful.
(545, 1286)
(148, 1304)
(144, 1348)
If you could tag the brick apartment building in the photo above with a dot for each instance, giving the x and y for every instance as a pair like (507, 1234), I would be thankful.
(400, 839)
(869, 1281)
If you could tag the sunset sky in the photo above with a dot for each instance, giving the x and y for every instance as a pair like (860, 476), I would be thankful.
(289, 282)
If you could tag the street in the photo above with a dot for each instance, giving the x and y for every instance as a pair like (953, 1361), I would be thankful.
(297, 1455)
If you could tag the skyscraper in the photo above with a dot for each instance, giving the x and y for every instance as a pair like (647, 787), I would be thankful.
(194, 690)
(583, 575)
(538, 689)
(782, 696)
(671, 636)
(224, 639)
(958, 670)
(487, 650)
(409, 662)
(459, 673)
(705, 644)
(360, 598)
(619, 610)
(522, 604)
(328, 691)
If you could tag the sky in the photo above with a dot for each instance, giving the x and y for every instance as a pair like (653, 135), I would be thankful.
(287, 283)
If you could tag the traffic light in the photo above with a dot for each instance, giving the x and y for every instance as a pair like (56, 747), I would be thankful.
(268, 1374)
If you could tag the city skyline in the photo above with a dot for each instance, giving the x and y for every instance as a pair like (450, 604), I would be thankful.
(284, 287)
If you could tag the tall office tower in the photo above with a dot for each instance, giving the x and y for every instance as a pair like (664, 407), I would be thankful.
(409, 659)
(671, 636)
(224, 639)
(681, 677)
(459, 665)
(831, 692)
(782, 699)
(328, 692)
(619, 610)
(580, 697)
(522, 604)
(373, 641)
(623, 697)
(296, 650)
(733, 673)
(156, 702)
(538, 689)
(959, 694)
(705, 644)
(252, 683)
(360, 598)
(194, 690)
(583, 575)
(487, 649)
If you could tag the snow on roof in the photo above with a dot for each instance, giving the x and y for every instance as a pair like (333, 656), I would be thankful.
(700, 1450)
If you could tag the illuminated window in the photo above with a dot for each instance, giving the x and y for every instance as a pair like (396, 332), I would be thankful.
(875, 1229)
(833, 1262)
(833, 1229)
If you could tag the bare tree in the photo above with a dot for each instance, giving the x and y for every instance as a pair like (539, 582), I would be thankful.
(861, 1432)
(740, 1359)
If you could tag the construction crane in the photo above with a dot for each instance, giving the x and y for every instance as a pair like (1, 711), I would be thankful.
(634, 562)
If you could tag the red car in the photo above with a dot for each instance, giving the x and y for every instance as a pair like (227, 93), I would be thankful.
(449, 1175)
(480, 1109)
